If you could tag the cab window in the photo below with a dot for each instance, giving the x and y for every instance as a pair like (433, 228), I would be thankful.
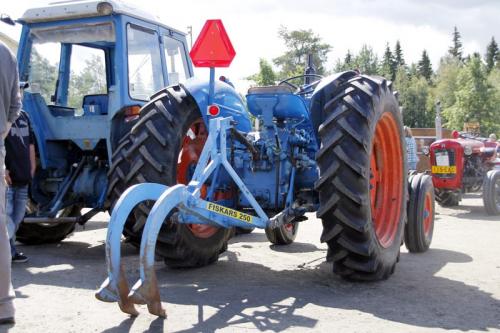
(144, 62)
(175, 54)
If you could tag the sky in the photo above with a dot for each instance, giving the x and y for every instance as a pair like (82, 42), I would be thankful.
(345, 25)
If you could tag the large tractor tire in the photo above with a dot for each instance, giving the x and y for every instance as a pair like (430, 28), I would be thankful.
(421, 207)
(447, 198)
(164, 147)
(491, 192)
(43, 233)
(118, 183)
(362, 185)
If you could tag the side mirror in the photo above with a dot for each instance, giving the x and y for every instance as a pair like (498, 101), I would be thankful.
(7, 19)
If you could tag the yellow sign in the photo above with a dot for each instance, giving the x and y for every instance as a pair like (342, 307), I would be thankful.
(229, 212)
(444, 169)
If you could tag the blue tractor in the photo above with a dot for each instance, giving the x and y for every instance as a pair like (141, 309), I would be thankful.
(195, 168)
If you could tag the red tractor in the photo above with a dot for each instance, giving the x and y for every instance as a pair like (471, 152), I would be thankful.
(466, 164)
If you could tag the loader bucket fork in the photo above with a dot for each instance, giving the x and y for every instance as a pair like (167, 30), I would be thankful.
(191, 208)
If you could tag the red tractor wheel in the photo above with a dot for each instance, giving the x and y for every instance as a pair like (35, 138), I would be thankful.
(362, 185)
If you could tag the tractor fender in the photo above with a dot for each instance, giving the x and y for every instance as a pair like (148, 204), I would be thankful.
(225, 96)
(323, 93)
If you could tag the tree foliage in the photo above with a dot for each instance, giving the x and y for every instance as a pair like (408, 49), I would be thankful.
(492, 55)
(424, 67)
(265, 76)
(399, 59)
(455, 49)
(299, 44)
(388, 66)
(467, 87)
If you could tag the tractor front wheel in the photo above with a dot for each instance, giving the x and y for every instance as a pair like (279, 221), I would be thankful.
(420, 223)
(491, 192)
(362, 185)
(447, 198)
(283, 235)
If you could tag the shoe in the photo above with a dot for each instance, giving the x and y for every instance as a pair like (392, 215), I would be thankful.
(7, 321)
(19, 257)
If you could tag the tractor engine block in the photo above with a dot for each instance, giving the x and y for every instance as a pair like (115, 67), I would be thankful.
(266, 167)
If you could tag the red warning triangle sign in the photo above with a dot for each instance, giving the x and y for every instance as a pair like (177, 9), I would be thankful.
(212, 47)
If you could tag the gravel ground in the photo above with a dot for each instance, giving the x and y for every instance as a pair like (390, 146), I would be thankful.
(254, 287)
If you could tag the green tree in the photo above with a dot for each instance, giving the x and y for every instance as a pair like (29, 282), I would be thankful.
(414, 96)
(299, 44)
(447, 81)
(346, 65)
(387, 66)
(494, 81)
(455, 49)
(43, 75)
(492, 54)
(366, 61)
(398, 55)
(424, 67)
(91, 80)
(266, 75)
(474, 98)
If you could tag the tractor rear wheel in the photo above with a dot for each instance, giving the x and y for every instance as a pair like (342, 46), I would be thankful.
(420, 222)
(44, 233)
(447, 198)
(491, 192)
(118, 181)
(164, 147)
(362, 185)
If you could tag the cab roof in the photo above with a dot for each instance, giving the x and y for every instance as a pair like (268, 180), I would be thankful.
(65, 10)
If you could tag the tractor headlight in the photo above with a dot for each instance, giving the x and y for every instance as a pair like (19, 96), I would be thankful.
(468, 150)
(425, 150)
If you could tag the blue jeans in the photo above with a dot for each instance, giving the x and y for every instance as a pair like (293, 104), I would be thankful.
(16, 198)
(412, 165)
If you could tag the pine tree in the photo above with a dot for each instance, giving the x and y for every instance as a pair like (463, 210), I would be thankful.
(424, 68)
(398, 55)
(492, 54)
(348, 59)
(387, 68)
(456, 49)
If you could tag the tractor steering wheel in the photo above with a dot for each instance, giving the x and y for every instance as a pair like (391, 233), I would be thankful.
(296, 87)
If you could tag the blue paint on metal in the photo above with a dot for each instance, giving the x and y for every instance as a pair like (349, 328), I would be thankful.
(228, 100)
(123, 207)
(211, 87)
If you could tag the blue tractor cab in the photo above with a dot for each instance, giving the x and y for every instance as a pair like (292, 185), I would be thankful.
(91, 66)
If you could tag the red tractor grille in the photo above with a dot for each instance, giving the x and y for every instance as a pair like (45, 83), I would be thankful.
(444, 163)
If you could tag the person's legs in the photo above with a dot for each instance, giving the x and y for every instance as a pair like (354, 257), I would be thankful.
(6, 291)
(19, 210)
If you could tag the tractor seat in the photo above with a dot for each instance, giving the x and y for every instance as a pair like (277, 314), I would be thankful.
(280, 89)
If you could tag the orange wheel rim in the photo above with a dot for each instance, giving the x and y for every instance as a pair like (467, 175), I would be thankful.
(428, 214)
(191, 148)
(386, 174)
